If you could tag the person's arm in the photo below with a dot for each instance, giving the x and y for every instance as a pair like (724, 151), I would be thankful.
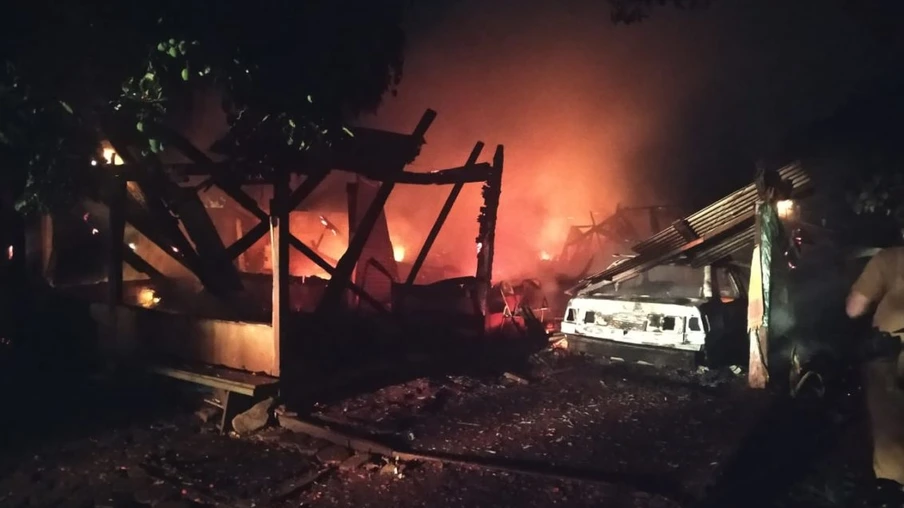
(869, 288)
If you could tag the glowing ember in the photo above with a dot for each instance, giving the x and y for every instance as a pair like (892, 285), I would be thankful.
(94, 231)
(176, 250)
(545, 256)
(10, 251)
(148, 298)
(398, 253)
(784, 208)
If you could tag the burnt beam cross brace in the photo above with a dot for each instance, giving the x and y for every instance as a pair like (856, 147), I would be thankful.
(332, 296)
(441, 218)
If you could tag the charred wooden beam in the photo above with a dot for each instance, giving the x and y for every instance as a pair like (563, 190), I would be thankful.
(165, 197)
(161, 219)
(338, 282)
(330, 270)
(476, 173)
(441, 218)
(298, 196)
(139, 264)
(486, 238)
(685, 230)
(117, 226)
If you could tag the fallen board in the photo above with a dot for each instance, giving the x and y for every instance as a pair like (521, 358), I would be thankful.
(242, 389)
(222, 379)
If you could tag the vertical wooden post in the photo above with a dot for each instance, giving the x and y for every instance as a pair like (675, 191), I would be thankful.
(241, 260)
(279, 261)
(441, 219)
(117, 226)
(486, 237)
(46, 247)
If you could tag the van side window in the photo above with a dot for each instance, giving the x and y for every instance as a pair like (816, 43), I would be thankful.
(590, 317)
(694, 324)
(569, 316)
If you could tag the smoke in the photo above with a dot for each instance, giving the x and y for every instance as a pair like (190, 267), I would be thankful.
(674, 110)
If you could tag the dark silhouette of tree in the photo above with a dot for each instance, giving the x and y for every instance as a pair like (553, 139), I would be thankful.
(633, 11)
(291, 73)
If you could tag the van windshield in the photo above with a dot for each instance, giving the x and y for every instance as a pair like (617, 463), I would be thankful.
(663, 281)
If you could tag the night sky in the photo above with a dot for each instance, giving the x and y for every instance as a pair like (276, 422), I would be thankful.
(674, 110)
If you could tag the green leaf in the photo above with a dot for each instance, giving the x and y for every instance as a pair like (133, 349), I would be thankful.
(67, 107)
(154, 145)
(350, 133)
(310, 100)
(185, 74)
(291, 123)
(173, 52)
(172, 42)
(139, 126)
(161, 47)
(182, 47)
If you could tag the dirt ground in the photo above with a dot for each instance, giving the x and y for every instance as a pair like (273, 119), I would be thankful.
(591, 434)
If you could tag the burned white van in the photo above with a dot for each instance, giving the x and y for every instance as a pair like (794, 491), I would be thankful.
(671, 313)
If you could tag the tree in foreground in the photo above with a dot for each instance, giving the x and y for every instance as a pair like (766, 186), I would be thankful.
(291, 75)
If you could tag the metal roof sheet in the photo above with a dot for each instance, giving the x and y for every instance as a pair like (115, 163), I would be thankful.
(721, 228)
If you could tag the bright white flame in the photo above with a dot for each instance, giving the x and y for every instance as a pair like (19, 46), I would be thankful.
(479, 247)
(545, 256)
(111, 157)
(324, 221)
(94, 231)
(93, 162)
(133, 246)
(398, 253)
(10, 252)
(176, 250)
(784, 208)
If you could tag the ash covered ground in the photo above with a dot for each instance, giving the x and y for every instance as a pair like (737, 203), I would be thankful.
(591, 434)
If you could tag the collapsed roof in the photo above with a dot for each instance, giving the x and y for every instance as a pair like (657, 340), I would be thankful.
(705, 237)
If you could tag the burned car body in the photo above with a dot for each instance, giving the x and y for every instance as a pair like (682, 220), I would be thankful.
(680, 298)
(690, 314)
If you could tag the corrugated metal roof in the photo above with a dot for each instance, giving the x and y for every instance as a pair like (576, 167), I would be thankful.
(722, 228)
(712, 252)
(704, 222)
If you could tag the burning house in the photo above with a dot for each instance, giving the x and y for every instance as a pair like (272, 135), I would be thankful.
(194, 264)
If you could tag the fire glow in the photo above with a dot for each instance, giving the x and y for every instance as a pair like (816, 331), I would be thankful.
(398, 253)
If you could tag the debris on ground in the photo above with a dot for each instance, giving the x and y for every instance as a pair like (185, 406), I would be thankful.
(580, 433)
(253, 419)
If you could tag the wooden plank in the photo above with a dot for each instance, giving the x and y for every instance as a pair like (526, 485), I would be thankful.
(243, 387)
(332, 296)
(441, 218)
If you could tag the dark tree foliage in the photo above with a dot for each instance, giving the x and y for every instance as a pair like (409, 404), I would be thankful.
(633, 11)
(292, 73)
